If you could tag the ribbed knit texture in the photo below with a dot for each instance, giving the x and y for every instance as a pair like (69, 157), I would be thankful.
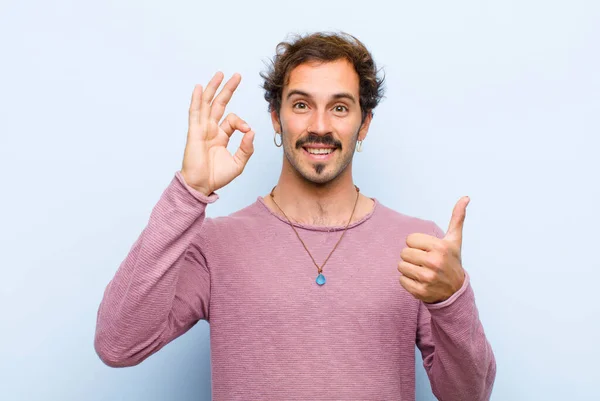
(274, 333)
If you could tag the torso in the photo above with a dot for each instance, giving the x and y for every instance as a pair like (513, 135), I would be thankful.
(274, 329)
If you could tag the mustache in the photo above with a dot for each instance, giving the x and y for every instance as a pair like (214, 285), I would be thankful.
(318, 140)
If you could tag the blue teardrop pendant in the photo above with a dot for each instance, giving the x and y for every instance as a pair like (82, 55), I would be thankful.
(320, 279)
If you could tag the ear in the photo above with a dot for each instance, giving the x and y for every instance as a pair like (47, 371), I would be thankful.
(364, 128)
(275, 121)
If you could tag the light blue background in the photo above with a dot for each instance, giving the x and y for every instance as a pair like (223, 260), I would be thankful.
(498, 100)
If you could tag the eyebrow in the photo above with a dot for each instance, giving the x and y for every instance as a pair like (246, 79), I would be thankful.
(343, 95)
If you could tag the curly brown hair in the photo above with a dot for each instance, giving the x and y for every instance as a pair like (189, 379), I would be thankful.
(323, 47)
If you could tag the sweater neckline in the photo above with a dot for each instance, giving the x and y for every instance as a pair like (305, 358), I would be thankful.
(312, 227)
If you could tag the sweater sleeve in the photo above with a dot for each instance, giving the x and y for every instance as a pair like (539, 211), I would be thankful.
(162, 287)
(456, 354)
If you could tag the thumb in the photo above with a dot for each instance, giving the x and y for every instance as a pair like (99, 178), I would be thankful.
(246, 149)
(455, 227)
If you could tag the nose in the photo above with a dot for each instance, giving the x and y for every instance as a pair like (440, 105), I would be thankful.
(320, 123)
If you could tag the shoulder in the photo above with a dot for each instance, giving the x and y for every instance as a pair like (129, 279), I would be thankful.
(249, 212)
(250, 215)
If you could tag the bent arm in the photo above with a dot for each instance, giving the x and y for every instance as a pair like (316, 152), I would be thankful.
(457, 357)
(456, 354)
(162, 288)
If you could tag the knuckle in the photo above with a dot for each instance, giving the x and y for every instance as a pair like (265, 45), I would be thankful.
(419, 292)
(247, 150)
(403, 253)
(404, 281)
(233, 118)
(443, 247)
(429, 276)
(436, 261)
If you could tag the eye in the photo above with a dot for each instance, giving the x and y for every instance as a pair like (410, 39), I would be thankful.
(298, 104)
(341, 108)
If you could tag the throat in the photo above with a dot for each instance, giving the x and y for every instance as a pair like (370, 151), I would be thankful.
(325, 215)
(324, 220)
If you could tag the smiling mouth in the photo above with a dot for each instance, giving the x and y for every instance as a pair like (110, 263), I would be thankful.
(319, 151)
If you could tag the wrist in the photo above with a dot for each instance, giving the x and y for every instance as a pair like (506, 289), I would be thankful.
(204, 191)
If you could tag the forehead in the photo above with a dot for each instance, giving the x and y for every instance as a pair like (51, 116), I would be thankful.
(323, 78)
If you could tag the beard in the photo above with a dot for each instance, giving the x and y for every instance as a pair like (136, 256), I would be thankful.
(316, 172)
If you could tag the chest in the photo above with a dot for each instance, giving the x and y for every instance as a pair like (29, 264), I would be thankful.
(273, 284)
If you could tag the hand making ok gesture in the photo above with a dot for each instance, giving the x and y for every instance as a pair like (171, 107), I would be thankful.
(207, 164)
(431, 267)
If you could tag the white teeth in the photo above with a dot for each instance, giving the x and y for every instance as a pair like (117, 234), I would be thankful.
(319, 151)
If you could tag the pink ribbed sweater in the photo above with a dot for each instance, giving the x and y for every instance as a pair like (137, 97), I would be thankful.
(274, 333)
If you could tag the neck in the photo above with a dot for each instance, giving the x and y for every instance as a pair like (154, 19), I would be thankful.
(329, 204)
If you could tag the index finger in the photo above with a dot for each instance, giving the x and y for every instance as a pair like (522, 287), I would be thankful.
(421, 241)
(220, 102)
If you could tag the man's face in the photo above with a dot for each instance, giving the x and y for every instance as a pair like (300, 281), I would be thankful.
(320, 119)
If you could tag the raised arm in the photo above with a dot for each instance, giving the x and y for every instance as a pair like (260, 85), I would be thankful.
(162, 288)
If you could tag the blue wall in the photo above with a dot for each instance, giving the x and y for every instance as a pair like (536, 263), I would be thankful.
(495, 100)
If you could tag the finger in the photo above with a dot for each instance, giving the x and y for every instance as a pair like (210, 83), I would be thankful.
(409, 270)
(422, 241)
(209, 93)
(232, 122)
(410, 285)
(220, 102)
(420, 274)
(246, 149)
(194, 117)
(455, 227)
(415, 256)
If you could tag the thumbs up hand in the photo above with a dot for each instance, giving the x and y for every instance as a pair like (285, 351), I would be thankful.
(431, 267)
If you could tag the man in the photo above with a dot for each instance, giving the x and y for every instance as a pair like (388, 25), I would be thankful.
(315, 291)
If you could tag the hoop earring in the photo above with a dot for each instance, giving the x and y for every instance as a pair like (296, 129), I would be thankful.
(359, 146)
(275, 140)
